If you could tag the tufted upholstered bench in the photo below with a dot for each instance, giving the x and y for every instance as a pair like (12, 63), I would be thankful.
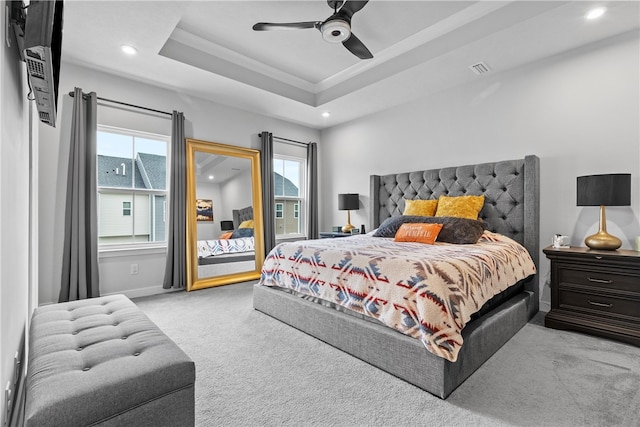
(101, 361)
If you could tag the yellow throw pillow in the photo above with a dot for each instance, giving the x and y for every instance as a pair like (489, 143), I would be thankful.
(418, 232)
(246, 224)
(460, 206)
(420, 207)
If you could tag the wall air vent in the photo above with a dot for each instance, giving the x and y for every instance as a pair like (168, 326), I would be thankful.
(479, 68)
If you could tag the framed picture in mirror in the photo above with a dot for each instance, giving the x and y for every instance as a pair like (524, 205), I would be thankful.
(204, 210)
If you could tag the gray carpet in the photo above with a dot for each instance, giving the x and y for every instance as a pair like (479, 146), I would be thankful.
(253, 370)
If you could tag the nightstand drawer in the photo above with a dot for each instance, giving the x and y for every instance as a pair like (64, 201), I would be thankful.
(601, 278)
(597, 303)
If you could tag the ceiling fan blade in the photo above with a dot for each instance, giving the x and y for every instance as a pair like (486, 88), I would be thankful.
(351, 7)
(355, 46)
(265, 26)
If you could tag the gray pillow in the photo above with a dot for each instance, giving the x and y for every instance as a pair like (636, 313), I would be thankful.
(454, 230)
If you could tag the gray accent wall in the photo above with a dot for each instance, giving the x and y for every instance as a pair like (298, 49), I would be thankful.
(578, 111)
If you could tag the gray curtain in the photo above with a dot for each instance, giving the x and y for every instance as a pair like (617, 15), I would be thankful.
(268, 198)
(312, 191)
(80, 252)
(175, 273)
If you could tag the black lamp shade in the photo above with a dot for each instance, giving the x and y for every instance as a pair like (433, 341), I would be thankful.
(348, 202)
(604, 190)
(226, 225)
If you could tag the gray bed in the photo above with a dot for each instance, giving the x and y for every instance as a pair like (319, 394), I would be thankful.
(511, 190)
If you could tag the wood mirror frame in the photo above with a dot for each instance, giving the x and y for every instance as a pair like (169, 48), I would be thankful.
(194, 146)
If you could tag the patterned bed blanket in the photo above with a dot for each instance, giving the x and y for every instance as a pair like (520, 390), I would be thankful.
(225, 246)
(428, 292)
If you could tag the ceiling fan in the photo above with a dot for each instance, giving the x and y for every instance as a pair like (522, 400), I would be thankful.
(335, 29)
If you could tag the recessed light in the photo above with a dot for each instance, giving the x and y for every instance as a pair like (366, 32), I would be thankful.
(596, 13)
(129, 50)
(210, 176)
(326, 114)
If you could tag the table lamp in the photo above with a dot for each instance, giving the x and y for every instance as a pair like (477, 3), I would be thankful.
(348, 202)
(604, 190)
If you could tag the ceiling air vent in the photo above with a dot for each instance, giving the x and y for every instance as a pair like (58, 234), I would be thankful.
(479, 68)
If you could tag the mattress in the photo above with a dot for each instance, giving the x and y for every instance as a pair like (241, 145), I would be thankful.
(429, 292)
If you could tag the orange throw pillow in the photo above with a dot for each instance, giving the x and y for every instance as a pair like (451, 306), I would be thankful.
(226, 235)
(418, 232)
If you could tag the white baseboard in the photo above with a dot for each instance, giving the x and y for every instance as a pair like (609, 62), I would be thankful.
(545, 306)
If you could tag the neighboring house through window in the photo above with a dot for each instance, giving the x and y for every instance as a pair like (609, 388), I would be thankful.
(289, 174)
(132, 186)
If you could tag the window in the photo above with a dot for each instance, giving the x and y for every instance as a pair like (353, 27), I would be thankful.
(289, 192)
(132, 187)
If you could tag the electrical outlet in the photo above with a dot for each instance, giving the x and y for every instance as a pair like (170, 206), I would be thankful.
(134, 268)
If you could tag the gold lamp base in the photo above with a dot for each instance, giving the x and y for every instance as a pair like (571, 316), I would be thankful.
(602, 240)
(347, 228)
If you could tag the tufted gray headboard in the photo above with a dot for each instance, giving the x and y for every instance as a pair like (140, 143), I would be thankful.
(511, 189)
(240, 215)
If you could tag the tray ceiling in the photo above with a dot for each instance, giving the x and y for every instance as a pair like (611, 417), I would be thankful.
(208, 48)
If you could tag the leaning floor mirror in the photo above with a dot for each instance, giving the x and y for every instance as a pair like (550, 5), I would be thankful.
(224, 214)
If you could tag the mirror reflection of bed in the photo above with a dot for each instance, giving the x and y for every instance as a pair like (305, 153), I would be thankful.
(233, 251)
(224, 222)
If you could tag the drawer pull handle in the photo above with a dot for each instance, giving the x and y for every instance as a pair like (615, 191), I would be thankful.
(591, 279)
(601, 304)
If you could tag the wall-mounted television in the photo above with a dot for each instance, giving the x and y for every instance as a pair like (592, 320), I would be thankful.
(41, 47)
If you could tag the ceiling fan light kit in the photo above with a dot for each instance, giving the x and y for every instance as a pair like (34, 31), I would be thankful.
(334, 29)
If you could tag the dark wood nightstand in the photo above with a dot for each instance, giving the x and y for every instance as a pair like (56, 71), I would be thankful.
(596, 292)
(332, 234)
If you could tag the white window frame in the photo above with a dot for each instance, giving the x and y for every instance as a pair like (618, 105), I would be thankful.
(302, 198)
(279, 210)
(104, 248)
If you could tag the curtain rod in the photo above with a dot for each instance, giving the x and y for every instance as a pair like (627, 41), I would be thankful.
(291, 141)
(129, 105)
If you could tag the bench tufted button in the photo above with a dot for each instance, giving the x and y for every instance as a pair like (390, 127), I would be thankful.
(74, 333)
(116, 324)
(85, 369)
(79, 349)
(137, 353)
(124, 337)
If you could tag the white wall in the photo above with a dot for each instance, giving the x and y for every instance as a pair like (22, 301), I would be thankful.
(237, 193)
(208, 230)
(14, 216)
(579, 112)
(205, 120)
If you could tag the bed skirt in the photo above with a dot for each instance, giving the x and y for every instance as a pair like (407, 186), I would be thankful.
(380, 346)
